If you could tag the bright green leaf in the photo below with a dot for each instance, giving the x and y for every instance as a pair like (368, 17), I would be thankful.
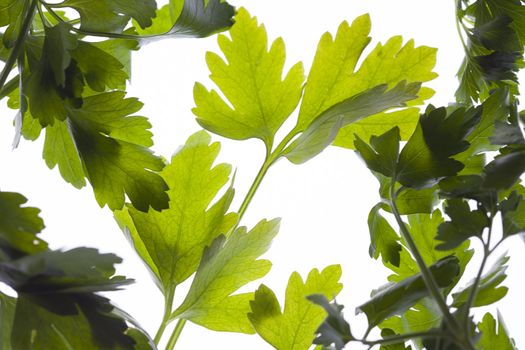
(322, 131)
(60, 149)
(9, 11)
(494, 336)
(227, 265)
(171, 242)
(294, 328)
(257, 99)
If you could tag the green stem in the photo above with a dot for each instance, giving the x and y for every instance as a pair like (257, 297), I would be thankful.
(396, 339)
(429, 280)
(168, 306)
(253, 188)
(9, 86)
(15, 51)
(477, 280)
(176, 334)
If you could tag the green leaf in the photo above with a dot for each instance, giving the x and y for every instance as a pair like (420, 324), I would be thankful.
(19, 227)
(257, 99)
(424, 315)
(464, 224)
(333, 77)
(383, 239)
(85, 323)
(405, 119)
(387, 333)
(112, 15)
(111, 145)
(495, 108)
(439, 135)
(396, 298)
(226, 266)
(382, 155)
(171, 242)
(505, 170)
(294, 328)
(513, 213)
(423, 228)
(190, 18)
(100, 68)
(322, 131)
(334, 331)
(494, 336)
(7, 314)
(60, 149)
(9, 11)
(409, 200)
(52, 78)
(489, 290)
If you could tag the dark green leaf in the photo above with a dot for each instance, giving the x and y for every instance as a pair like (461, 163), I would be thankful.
(382, 155)
(507, 134)
(334, 331)
(9, 11)
(439, 135)
(19, 227)
(190, 18)
(489, 290)
(513, 213)
(497, 35)
(100, 68)
(494, 336)
(7, 315)
(464, 224)
(84, 322)
(396, 298)
(505, 170)
(112, 15)
(388, 333)
(383, 239)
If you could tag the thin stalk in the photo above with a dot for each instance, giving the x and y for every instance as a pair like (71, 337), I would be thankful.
(477, 280)
(9, 86)
(15, 51)
(176, 334)
(168, 306)
(396, 339)
(253, 188)
(429, 280)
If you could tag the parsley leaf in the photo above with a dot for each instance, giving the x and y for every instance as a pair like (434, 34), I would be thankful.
(171, 242)
(494, 336)
(226, 266)
(294, 327)
(189, 18)
(251, 81)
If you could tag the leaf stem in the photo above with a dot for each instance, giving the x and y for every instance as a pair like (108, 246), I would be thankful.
(429, 280)
(15, 51)
(396, 339)
(168, 306)
(477, 280)
(9, 86)
(176, 334)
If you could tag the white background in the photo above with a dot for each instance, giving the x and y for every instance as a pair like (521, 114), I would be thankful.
(324, 203)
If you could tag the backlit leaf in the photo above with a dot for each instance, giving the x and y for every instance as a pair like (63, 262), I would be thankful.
(294, 327)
